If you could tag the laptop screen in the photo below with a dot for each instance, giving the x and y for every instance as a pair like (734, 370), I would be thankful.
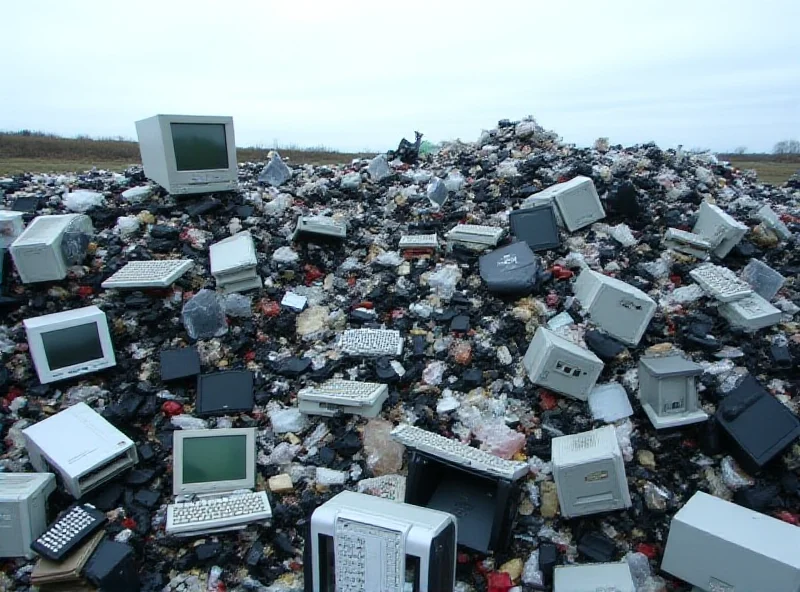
(213, 459)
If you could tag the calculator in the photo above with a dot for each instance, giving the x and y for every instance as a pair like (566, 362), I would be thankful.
(69, 531)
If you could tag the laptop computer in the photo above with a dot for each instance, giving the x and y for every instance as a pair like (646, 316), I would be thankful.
(213, 476)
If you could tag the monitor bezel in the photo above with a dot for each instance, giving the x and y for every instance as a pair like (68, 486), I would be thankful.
(181, 488)
(37, 326)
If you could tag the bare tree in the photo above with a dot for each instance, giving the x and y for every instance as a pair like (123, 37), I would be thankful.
(787, 147)
(740, 150)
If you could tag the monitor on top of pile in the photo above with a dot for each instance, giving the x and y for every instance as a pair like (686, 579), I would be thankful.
(188, 154)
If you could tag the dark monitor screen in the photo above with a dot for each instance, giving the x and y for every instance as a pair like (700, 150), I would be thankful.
(215, 458)
(74, 345)
(200, 146)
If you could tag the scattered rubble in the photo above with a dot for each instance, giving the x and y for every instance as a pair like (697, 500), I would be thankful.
(460, 372)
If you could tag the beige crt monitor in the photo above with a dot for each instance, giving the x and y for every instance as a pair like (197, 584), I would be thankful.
(188, 154)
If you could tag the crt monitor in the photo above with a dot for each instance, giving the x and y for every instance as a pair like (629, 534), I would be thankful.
(208, 461)
(69, 343)
(189, 154)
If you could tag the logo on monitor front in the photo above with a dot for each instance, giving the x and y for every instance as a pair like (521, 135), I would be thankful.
(630, 305)
(507, 259)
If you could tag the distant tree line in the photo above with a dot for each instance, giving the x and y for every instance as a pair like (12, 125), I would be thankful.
(787, 147)
(784, 147)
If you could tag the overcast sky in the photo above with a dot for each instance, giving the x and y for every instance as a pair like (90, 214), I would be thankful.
(356, 75)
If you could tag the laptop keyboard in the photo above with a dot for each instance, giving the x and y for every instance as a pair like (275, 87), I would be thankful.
(221, 512)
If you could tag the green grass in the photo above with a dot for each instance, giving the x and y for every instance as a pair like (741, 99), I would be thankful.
(769, 167)
(35, 152)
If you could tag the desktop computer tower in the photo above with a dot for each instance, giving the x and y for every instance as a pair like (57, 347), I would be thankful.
(81, 447)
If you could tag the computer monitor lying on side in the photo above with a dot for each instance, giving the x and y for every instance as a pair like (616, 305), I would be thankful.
(189, 153)
(70, 343)
(45, 250)
(719, 546)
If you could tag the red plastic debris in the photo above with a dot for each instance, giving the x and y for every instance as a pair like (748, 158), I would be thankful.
(13, 393)
(552, 299)
(270, 308)
(499, 581)
(561, 273)
(547, 400)
(312, 273)
(85, 291)
(675, 279)
(250, 356)
(787, 516)
(416, 253)
(129, 523)
(671, 328)
(463, 558)
(170, 408)
(647, 549)
(365, 304)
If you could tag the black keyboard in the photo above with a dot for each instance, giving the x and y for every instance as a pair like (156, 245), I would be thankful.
(69, 531)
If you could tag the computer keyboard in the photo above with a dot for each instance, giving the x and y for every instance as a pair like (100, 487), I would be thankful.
(371, 342)
(322, 225)
(419, 241)
(220, 512)
(69, 531)
(687, 242)
(149, 274)
(720, 283)
(476, 233)
(345, 391)
(458, 453)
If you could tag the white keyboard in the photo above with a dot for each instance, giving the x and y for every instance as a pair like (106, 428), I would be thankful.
(371, 342)
(345, 392)
(458, 453)
(149, 274)
(220, 512)
(689, 238)
(720, 283)
(419, 241)
(323, 225)
(476, 233)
